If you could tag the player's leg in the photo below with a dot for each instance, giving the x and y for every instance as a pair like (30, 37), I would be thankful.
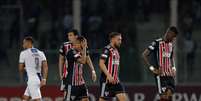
(84, 93)
(120, 92)
(122, 97)
(26, 95)
(103, 89)
(101, 99)
(170, 88)
(85, 99)
(167, 88)
(35, 92)
(67, 95)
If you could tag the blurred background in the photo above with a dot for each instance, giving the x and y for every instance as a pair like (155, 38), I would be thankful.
(140, 22)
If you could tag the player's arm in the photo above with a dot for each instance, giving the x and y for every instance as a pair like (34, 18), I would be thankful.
(104, 70)
(44, 70)
(103, 67)
(61, 64)
(145, 56)
(61, 61)
(21, 71)
(21, 66)
(173, 63)
(83, 57)
(91, 66)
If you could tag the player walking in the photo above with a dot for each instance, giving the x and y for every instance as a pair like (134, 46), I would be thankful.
(33, 61)
(110, 65)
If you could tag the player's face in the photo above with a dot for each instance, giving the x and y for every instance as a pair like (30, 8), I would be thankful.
(71, 36)
(77, 46)
(170, 36)
(117, 41)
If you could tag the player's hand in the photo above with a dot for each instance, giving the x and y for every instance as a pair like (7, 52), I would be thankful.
(174, 71)
(43, 82)
(93, 76)
(61, 77)
(110, 79)
(155, 71)
(84, 43)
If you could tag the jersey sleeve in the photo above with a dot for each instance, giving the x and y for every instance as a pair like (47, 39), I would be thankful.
(61, 50)
(22, 58)
(105, 53)
(152, 46)
(43, 56)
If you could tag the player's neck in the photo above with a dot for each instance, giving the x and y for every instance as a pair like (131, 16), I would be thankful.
(29, 47)
(165, 39)
(111, 44)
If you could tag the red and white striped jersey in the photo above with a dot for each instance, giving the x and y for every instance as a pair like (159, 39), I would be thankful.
(112, 62)
(162, 53)
(75, 69)
(65, 47)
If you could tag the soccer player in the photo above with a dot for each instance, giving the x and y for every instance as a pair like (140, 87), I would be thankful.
(110, 65)
(75, 84)
(72, 36)
(65, 47)
(33, 61)
(162, 64)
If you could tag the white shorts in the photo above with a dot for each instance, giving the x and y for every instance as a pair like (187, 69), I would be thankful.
(33, 91)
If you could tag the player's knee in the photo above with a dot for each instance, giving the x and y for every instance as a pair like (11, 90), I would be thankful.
(37, 100)
(122, 97)
(101, 99)
(169, 92)
(85, 99)
(25, 98)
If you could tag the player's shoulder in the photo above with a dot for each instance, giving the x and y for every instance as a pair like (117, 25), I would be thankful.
(108, 47)
(158, 39)
(67, 42)
(23, 52)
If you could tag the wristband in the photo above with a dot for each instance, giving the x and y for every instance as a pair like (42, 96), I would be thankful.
(151, 68)
(174, 68)
(93, 71)
(44, 79)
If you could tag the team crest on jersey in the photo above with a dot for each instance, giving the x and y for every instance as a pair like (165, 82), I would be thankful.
(73, 98)
(106, 93)
(163, 89)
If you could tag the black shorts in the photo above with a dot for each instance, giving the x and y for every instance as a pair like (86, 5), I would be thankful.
(164, 83)
(76, 93)
(110, 90)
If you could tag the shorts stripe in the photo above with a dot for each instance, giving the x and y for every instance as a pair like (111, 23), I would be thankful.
(159, 84)
(69, 93)
(103, 89)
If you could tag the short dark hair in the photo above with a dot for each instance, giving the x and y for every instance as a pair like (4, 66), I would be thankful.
(173, 29)
(74, 31)
(113, 34)
(80, 38)
(29, 38)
